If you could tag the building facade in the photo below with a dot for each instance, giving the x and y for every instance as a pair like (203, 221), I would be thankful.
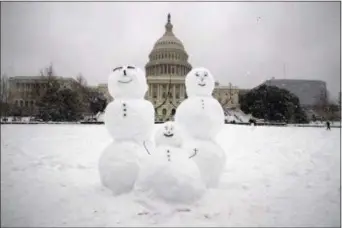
(24, 91)
(309, 92)
(227, 96)
(165, 72)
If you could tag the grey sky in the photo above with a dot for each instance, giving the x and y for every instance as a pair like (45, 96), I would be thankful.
(226, 38)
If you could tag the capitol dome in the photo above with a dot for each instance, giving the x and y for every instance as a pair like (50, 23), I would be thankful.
(168, 56)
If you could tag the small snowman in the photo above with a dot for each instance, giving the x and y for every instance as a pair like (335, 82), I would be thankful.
(130, 121)
(170, 174)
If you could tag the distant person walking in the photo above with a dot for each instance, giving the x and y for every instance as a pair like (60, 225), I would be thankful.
(328, 125)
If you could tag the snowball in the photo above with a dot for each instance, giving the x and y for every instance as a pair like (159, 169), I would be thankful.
(130, 119)
(127, 82)
(200, 117)
(119, 166)
(170, 134)
(175, 181)
(199, 82)
(210, 159)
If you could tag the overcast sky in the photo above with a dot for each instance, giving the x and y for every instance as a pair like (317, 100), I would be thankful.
(227, 38)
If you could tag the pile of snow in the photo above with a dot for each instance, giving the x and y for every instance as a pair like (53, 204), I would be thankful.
(318, 124)
(24, 119)
(100, 116)
(237, 115)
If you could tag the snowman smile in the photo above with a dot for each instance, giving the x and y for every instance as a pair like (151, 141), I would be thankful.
(168, 135)
(127, 81)
(201, 84)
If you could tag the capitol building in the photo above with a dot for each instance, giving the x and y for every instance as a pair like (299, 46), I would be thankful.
(166, 70)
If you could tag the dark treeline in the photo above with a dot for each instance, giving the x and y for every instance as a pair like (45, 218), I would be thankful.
(58, 100)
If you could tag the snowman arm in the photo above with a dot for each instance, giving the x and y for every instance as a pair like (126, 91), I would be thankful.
(195, 150)
(144, 143)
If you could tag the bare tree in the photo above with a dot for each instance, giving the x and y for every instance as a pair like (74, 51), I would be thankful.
(4, 88)
(85, 92)
(4, 94)
(81, 80)
(44, 85)
(48, 77)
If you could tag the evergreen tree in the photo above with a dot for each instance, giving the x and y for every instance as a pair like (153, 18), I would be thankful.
(48, 105)
(97, 104)
(273, 104)
(69, 105)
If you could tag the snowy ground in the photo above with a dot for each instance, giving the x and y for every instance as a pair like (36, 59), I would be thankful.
(275, 176)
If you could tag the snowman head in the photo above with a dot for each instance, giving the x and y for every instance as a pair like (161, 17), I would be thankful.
(199, 82)
(127, 82)
(169, 134)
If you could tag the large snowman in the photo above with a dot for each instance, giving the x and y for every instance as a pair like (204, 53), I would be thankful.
(202, 118)
(170, 174)
(130, 121)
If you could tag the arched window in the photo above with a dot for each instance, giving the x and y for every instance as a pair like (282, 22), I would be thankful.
(173, 111)
(164, 111)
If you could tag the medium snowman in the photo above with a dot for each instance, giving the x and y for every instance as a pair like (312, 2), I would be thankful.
(170, 174)
(202, 118)
(130, 121)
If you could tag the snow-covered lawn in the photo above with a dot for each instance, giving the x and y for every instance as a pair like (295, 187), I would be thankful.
(275, 176)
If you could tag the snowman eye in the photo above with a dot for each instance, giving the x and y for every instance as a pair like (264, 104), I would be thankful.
(197, 74)
(205, 74)
(118, 68)
(130, 67)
